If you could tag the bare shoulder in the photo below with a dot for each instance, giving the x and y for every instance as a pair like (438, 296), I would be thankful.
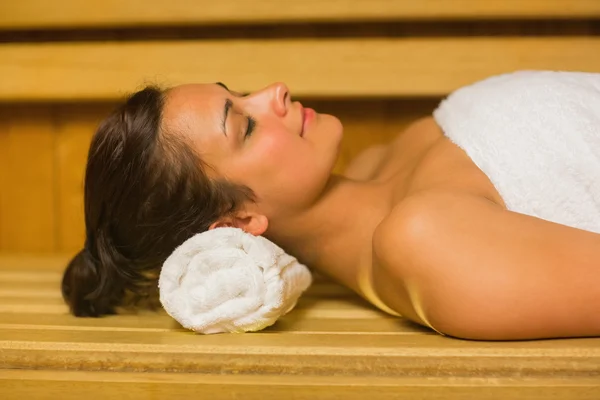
(424, 221)
(415, 222)
(463, 264)
(402, 244)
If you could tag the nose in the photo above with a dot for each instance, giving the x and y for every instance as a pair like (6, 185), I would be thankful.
(279, 97)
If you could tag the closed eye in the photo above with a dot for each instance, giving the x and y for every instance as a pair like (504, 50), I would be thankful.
(228, 104)
(250, 127)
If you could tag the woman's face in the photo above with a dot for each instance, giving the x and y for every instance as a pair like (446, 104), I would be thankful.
(285, 153)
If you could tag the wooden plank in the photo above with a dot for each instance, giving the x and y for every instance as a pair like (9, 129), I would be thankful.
(36, 280)
(4, 113)
(274, 353)
(98, 13)
(324, 346)
(311, 67)
(291, 323)
(75, 126)
(31, 290)
(75, 385)
(7, 301)
(375, 344)
(328, 309)
(27, 195)
(33, 266)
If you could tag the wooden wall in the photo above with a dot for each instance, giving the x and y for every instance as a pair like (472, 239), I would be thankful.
(376, 64)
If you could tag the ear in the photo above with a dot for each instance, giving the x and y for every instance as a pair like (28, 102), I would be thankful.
(251, 222)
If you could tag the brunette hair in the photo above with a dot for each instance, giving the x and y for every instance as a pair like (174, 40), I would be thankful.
(146, 192)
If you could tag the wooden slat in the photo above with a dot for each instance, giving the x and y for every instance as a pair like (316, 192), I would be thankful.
(254, 343)
(23, 267)
(326, 309)
(67, 385)
(330, 347)
(319, 354)
(74, 129)
(293, 323)
(98, 13)
(311, 67)
(27, 193)
(4, 136)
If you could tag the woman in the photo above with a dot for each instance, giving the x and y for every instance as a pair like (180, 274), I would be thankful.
(415, 227)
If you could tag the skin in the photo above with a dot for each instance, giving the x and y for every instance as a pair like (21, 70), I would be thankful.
(417, 218)
(291, 175)
(287, 171)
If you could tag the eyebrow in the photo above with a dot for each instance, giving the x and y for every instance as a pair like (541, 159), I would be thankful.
(222, 85)
(228, 105)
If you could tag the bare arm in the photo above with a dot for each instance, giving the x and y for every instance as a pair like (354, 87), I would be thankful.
(474, 270)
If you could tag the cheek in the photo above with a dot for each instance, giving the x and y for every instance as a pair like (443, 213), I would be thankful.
(284, 160)
(279, 147)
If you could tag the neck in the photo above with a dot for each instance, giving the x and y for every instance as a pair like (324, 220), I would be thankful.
(334, 236)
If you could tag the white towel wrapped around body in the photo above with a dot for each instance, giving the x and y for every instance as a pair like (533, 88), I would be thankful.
(227, 280)
(536, 135)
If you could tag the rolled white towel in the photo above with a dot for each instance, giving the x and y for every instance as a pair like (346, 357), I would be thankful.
(227, 280)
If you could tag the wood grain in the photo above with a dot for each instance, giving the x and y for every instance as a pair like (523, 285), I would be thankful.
(358, 67)
(332, 344)
(27, 196)
(295, 354)
(98, 13)
(75, 125)
(75, 385)
(32, 267)
(4, 125)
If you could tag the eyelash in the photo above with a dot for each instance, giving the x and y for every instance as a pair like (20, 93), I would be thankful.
(251, 126)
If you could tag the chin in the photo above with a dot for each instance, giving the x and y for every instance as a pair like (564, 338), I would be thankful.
(332, 127)
(333, 123)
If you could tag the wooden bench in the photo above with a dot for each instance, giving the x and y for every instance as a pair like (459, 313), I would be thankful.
(385, 63)
(376, 64)
(332, 345)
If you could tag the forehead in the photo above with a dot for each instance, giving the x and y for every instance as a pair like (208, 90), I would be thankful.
(194, 108)
(192, 98)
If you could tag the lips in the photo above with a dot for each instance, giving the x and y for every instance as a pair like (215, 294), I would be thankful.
(307, 114)
(302, 119)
